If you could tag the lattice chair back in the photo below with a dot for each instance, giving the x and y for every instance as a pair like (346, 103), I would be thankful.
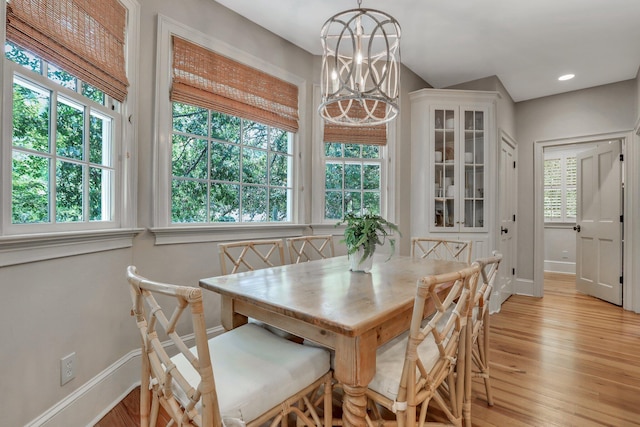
(480, 327)
(427, 365)
(159, 373)
(308, 248)
(260, 377)
(453, 250)
(250, 255)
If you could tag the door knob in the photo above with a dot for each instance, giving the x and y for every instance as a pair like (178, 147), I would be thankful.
(503, 230)
(577, 228)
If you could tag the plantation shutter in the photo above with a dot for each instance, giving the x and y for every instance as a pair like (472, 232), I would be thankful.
(206, 79)
(375, 135)
(553, 189)
(83, 37)
(571, 182)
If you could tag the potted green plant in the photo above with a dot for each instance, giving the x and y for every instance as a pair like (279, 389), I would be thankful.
(361, 236)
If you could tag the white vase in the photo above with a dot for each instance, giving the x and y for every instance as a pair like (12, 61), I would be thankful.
(356, 265)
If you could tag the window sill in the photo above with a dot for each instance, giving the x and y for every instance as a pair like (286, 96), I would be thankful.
(27, 248)
(218, 233)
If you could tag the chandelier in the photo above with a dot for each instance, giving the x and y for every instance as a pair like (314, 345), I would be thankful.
(360, 79)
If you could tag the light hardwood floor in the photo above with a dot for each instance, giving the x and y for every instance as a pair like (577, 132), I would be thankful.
(563, 360)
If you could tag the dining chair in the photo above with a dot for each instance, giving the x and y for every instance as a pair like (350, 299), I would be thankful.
(246, 376)
(424, 368)
(307, 248)
(250, 255)
(478, 356)
(426, 247)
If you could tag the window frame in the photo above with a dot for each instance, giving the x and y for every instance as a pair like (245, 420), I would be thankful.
(387, 173)
(243, 146)
(563, 156)
(166, 232)
(19, 244)
(62, 94)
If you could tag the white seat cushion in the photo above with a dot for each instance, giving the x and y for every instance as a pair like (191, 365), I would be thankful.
(391, 356)
(255, 370)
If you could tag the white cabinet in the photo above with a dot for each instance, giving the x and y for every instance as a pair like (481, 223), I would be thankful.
(453, 148)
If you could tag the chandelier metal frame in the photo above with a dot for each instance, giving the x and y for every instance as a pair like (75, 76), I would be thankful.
(360, 80)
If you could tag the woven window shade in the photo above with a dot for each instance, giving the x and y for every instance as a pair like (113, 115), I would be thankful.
(83, 37)
(206, 79)
(374, 135)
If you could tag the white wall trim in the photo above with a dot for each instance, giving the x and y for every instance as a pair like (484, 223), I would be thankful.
(631, 164)
(105, 391)
(524, 287)
(200, 234)
(559, 266)
(39, 247)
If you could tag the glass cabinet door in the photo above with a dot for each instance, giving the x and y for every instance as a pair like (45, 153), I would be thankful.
(458, 160)
(445, 177)
(474, 160)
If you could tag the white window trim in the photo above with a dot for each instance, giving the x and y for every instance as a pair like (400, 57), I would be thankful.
(387, 174)
(165, 231)
(23, 248)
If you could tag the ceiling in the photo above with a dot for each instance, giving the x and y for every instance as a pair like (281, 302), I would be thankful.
(526, 44)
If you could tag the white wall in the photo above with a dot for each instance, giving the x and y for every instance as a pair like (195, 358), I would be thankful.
(603, 109)
(505, 108)
(559, 249)
(410, 82)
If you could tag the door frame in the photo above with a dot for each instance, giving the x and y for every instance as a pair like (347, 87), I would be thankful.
(631, 153)
(501, 292)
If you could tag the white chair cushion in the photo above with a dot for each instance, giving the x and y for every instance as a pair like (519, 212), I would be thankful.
(391, 356)
(255, 370)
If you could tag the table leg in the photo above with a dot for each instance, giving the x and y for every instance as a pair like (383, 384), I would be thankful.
(354, 406)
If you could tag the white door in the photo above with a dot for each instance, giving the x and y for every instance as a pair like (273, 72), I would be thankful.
(507, 210)
(598, 226)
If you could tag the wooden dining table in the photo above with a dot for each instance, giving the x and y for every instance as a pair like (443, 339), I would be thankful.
(322, 301)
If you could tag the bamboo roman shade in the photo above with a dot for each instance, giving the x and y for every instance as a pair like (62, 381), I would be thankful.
(374, 134)
(84, 37)
(204, 78)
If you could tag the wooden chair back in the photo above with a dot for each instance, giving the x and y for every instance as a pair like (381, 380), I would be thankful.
(453, 250)
(478, 362)
(307, 248)
(489, 274)
(441, 381)
(427, 365)
(192, 400)
(250, 255)
(158, 371)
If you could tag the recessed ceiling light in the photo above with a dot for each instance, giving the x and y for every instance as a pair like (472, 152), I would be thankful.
(566, 77)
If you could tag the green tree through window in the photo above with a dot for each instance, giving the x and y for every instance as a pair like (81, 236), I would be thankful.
(352, 179)
(228, 169)
(62, 169)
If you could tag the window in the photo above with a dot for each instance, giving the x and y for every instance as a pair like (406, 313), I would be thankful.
(353, 177)
(560, 187)
(226, 141)
(63, 147)
(228, 169)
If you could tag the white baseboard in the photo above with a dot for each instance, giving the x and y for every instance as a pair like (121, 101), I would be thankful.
(86, 405)
(523, 287)
(560, 267)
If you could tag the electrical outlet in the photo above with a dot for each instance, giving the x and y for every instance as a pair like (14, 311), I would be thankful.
(67, 368)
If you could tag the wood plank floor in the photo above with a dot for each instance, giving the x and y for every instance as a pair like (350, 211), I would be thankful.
(563, 360)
